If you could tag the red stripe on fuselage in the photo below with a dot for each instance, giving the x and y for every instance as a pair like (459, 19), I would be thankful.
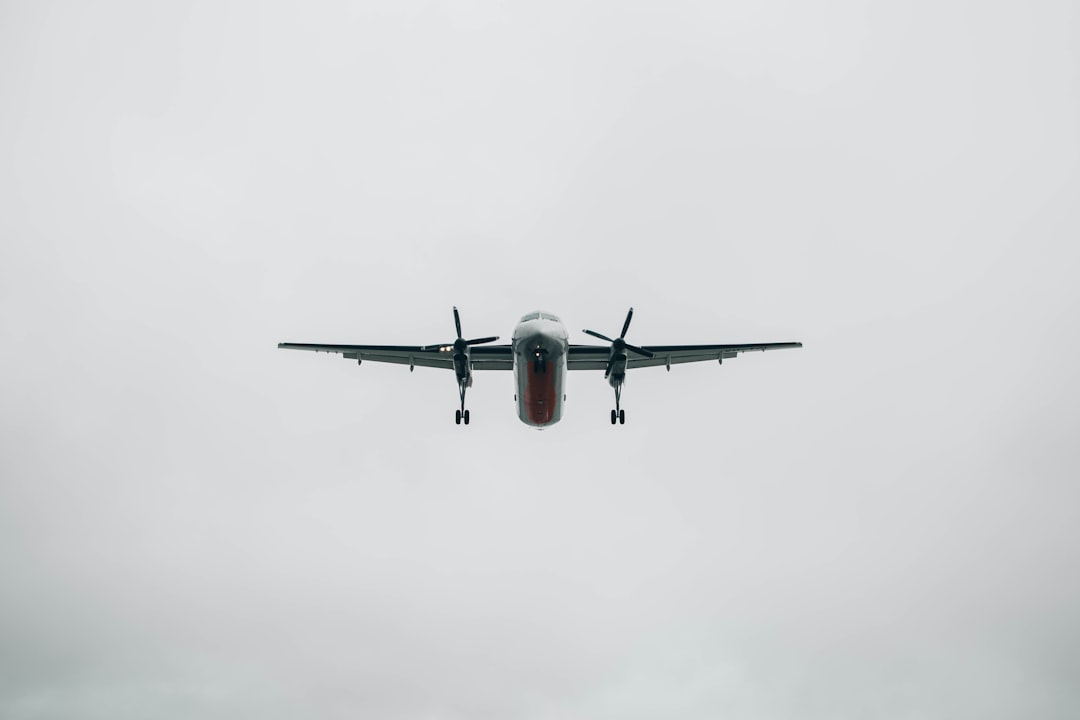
(540, 396)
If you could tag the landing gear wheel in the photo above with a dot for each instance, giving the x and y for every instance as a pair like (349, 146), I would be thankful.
(457, 417)
(613, 417)
(622, 417)
(465, 417)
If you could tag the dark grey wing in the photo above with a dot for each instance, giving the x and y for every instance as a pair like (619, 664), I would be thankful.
(587, 357)
(487, 357)
(595, 357)
(492, 357)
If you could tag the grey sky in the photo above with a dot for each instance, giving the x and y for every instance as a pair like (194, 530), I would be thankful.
(882, 524)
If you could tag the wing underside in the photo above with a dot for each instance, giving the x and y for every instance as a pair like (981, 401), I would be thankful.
(486, 357)
(595, 357)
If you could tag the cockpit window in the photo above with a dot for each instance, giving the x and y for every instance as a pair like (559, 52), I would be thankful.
(540, 316)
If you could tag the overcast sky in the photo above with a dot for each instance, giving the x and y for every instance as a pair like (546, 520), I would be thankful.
(883, 524)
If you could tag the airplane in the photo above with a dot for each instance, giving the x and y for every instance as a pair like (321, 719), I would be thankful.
(540, 353)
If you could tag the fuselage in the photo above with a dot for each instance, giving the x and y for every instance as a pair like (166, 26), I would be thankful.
(540, 344)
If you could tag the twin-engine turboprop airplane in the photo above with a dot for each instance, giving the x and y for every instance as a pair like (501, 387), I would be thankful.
(540, 353)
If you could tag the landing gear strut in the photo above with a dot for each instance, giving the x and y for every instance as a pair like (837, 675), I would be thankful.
(618, 414)
(461, 414)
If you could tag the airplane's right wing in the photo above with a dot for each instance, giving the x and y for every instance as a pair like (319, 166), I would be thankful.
(482, 357)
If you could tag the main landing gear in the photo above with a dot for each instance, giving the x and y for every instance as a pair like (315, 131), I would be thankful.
(618, 414)
(462, 413)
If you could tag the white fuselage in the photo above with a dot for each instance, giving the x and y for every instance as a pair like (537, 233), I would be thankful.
(540, 346)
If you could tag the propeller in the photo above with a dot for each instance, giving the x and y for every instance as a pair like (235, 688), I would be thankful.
(460, 343)
(619, 344)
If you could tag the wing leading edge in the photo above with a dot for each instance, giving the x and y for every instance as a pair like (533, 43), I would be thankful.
(595, 357)
(481, 357)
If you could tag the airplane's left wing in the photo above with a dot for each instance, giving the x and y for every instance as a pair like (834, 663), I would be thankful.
(595, 357)
(485, 357)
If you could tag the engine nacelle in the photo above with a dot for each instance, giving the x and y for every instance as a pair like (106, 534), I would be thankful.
(616, 369)
(462, 368)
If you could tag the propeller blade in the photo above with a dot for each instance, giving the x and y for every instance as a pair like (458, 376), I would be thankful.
(626, 325)
(597, 335)
(456, 344)
(640, 351)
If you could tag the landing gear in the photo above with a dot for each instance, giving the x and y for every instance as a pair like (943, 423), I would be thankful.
(462, 413)
(618, 414)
